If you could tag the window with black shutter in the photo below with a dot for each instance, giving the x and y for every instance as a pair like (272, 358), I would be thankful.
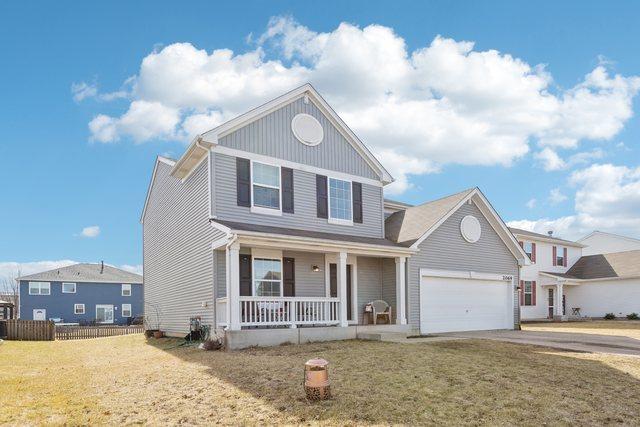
(243, 182)
(321, 196)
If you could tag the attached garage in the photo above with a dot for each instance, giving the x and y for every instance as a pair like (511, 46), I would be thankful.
(457, 301)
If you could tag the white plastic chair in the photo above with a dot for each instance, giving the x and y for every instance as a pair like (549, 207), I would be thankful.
(381, 308)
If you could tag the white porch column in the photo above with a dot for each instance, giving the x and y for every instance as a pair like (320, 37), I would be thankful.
(342, 287)
(401, 316)
(233, 286)
(558, 303)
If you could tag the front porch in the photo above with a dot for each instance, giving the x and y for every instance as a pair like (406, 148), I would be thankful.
(291, 291)
(559, 308)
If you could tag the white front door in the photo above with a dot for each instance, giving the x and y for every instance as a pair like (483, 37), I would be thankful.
(104, 313)
(39, 314)
(449, 304)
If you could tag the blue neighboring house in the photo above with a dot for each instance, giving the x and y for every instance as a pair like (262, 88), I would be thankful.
(82, 293)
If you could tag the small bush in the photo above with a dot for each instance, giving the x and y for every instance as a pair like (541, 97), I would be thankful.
(609, 316)
(633, 316)
(210, 345)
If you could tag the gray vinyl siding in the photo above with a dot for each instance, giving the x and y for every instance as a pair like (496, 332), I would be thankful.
(369, 283)
(445, 249)
(309, 283)
(272, 136)
(220, 273)
(178, 260)
(389, 282)
(305, 216)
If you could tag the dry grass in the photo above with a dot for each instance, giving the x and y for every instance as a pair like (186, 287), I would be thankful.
(127, 380)
(624, 328)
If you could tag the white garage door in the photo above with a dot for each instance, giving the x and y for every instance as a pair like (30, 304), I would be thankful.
(464, 304)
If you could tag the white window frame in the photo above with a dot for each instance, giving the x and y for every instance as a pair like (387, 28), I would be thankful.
(40, 286)
(253, 277)
(75, 308)
(525, 293)
(338, 221)
(122, 289)
(75, 285)
(560, 255)
(263, 209)
(123, 309)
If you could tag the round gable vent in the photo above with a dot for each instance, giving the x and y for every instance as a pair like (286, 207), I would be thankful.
(470, 228)
(307, 129)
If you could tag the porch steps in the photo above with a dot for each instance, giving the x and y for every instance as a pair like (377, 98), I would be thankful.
(382, 336)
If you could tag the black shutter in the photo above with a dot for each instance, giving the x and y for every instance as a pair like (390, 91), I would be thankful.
(356, 188)
(321, 196)
(286, 176)
(289, 277)
(245, 276)
(243, 181)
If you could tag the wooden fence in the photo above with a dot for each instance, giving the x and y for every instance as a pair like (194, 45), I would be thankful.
(30, 330)
(83, 332)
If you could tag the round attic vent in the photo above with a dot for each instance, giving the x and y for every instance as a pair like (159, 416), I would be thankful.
(307, 129)
(470, 228)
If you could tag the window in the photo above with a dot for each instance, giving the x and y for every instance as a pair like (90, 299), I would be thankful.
(126, 310)
(528, 249)
(340, 201)
(39, 288)
(560, 256)
(126, 290)
(528, 293)
(78, 309)
(68, 288)
(267, 277)
(266, 186)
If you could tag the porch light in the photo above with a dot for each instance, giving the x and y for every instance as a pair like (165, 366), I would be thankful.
(316, 379)
(315, 268)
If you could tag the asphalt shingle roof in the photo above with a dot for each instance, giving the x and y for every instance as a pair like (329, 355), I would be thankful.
(542, 236)
(605, 266)
(86, 272)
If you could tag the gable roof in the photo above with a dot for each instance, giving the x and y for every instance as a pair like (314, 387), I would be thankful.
(411, 226)
(604, 233)
(202, 143)
(617, 265)
(86, 272)
(544, 237)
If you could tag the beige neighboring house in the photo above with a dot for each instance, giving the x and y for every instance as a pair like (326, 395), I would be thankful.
(600, 242)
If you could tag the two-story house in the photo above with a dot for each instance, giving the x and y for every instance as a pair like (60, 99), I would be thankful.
(81, 294)
(273, 227)
(562, 282)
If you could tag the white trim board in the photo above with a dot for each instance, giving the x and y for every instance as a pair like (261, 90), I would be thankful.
(460, 274)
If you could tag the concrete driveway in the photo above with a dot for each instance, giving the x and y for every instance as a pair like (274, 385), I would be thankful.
(589, 343)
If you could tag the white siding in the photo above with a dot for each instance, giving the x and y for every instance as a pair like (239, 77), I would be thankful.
(603, 243)
(595, 299)
(178, 260)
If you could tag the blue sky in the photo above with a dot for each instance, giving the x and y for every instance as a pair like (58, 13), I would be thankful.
(566, 137)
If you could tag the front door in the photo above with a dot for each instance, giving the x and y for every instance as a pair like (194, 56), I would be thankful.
(333, 285)
(550, 299)
(39, 314)
(104, 313)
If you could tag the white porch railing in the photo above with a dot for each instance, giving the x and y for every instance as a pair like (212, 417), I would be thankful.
(283, 311)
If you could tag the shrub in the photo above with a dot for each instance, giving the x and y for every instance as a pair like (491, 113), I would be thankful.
(210, 345)
(609, 316)
(633, 316)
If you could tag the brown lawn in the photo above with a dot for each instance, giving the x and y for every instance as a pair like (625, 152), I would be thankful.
(129, 380)
(626, 328)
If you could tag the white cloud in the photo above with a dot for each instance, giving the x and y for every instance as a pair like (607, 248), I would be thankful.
(556, 196)
(607, 199)
(83, 90)
(442, 103)
(91, 231)
(531, 203)
(550, 160)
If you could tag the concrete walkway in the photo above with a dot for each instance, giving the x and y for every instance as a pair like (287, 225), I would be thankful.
(588, 343)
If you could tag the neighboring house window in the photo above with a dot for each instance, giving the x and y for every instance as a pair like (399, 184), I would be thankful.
(528, 293)
(267, 277)
(126, 290)
(78, 308)
(340, 207)
(266, 186)
(126, 310)
(528, 249)
(68, 288)
(39, 288)
(561, 256)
